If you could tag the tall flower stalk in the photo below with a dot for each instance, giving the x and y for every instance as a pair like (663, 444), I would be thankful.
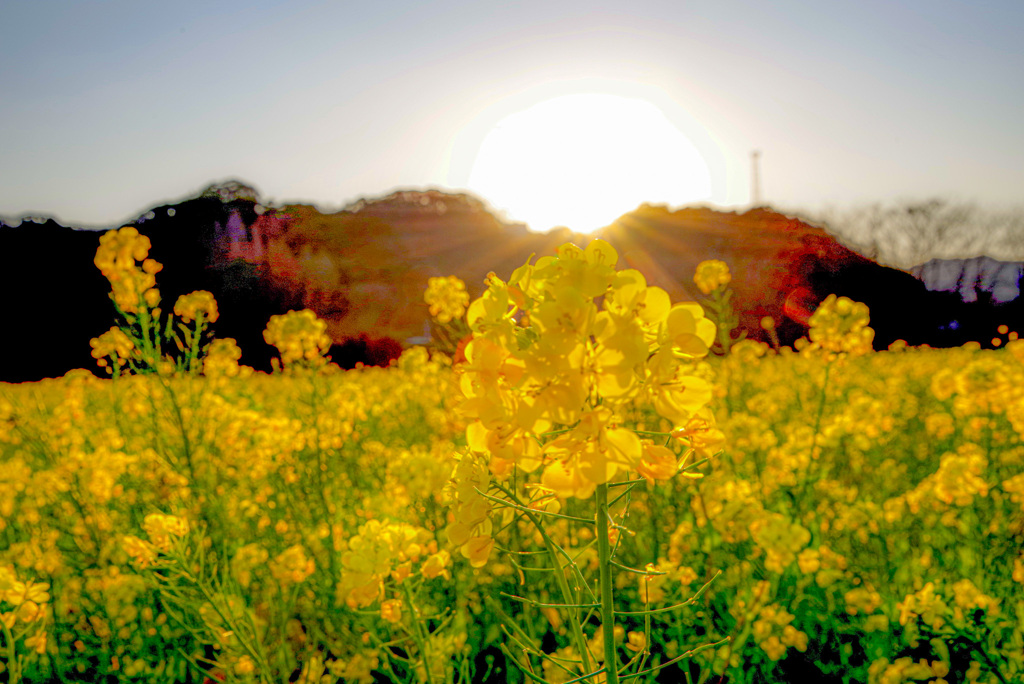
(712, 279)
(143, 338)
(563, 357)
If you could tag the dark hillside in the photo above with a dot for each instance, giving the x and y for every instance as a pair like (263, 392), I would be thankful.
(364, 269)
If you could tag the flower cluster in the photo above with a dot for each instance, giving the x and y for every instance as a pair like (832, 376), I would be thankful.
(967, 597)
(160, 529)
(27, 605)
(447, 298)
(222, 359)
(562, 361)
(925, 604)
(133, 285)
(471, 526)
(571, 342)
(957, 481)
(906, 669)
(292, 566)
(383, 550)
(862, 600)
(781, 539)
(774, 633)
(245, 561)
(299, 336)
(196, 306)
(840, 326)
(711, 275)
(116, 346)
(142, 340)
(712, 278)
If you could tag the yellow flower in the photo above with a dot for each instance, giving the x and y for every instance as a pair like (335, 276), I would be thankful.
(781, 540)
(245, 666)
(142, 553)
(20, 592)
(131, 284)
(968, 597)
(876, 623)
(711, 275)
(657, 463)
(774, 648)
(447, 298)
(436, 565)
(470, 512)
(29, 611)
(113, 344)
(839, 326)
(862, 600)
(37, 642)
(597, 447)
(299, 336)
(391, 611)
(222, 359)
(570, 341)
(808, 561)
(291, 566)
(636, 641)
(924, 604)
(791, 636)
(477, 550)
(160, 528)
(7, 579)
(246, 559)
(192, 306)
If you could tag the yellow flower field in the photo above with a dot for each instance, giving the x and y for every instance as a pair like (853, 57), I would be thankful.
(583, 492)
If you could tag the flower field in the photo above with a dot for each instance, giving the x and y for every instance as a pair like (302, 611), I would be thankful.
(593, 485)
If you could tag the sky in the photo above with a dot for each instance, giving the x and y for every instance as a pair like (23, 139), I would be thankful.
(109, 108)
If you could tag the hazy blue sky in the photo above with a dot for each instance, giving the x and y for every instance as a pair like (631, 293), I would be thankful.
(110, 107)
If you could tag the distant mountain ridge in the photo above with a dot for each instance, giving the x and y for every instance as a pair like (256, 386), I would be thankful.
(363, 269)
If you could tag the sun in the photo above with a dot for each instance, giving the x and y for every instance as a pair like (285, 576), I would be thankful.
(583, 160)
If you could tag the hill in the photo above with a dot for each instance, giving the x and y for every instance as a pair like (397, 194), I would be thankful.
(363, 269)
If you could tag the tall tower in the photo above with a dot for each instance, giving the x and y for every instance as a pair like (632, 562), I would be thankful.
(755, 178)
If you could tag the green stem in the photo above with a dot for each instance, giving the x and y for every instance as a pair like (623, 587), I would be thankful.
(253, 649)
(978, 648)
(525, 509)
(322, 469)
(418, 635)
(13, 662)
(611, 660)
(819, 415)
(193, 347)
(150, 345)
(563, 585)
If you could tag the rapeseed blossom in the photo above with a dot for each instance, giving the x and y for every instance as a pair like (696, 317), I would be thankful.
(299, 336)
(840, 326)
(292, 566)
(447, 298)
(925, 604)
(569, 341)
(161, 528)
(520, 381)
(198, 305)
(711, 275)
(113, 345)
(133, 285)
(222, 358)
